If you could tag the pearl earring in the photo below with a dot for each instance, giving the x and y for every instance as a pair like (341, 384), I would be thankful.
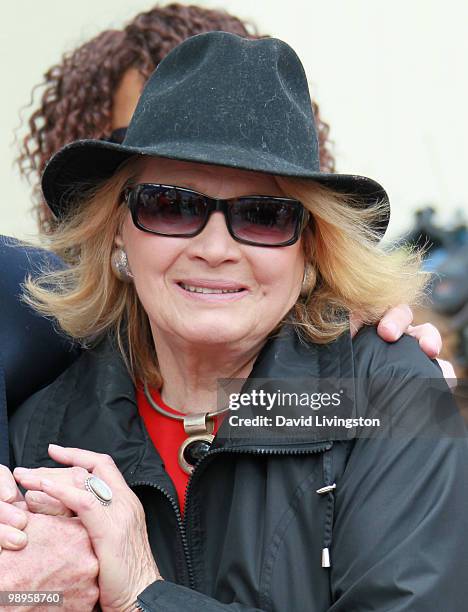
(120, 267)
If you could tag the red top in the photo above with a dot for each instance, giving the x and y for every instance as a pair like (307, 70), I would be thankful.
(167, 435)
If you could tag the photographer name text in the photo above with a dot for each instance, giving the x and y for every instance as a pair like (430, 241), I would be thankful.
(313, 420)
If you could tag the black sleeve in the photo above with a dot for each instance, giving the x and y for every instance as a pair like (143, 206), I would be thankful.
(32, 351)
(171, 597)
(401, 506)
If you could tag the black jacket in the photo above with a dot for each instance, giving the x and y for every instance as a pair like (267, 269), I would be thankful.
(255, 527)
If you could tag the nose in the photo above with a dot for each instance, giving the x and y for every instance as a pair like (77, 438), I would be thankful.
(214, 244)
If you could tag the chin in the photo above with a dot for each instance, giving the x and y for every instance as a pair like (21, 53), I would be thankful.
(216, 332)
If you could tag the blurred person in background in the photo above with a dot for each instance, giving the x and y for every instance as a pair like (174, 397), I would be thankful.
(446, 257)
(92, 94)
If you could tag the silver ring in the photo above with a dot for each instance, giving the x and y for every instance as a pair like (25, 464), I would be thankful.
(99, 489)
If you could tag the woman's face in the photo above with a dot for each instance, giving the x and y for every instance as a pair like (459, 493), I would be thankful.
(126, 98)
(166, 268)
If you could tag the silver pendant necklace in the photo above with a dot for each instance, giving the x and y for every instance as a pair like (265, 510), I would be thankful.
(199, 429)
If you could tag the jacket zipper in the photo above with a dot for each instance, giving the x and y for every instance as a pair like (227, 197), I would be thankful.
(180, 524)
(183, 523)
(251, 451)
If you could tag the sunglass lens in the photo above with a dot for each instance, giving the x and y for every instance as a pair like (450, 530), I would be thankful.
(170, 211)
(267, 222)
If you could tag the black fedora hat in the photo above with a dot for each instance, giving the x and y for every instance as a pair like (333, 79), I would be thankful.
(221, 99)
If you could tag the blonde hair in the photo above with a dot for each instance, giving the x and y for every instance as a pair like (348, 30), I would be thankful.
(347, 271)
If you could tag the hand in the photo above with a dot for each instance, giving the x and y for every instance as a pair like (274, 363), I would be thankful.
(13, 517)
(396, 322)
(13, 510)
(117, 532)
(58, 557)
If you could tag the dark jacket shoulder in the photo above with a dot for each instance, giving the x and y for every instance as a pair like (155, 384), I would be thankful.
(95, 396)
(400, 384)
(373, 355)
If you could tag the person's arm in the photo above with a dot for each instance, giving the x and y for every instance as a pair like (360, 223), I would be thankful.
(32, 351)
(164, 595)
(401, 506)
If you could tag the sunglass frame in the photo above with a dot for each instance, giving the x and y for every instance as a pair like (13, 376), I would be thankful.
(302, 216)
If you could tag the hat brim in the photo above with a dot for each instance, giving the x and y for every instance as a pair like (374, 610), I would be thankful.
(84, 164)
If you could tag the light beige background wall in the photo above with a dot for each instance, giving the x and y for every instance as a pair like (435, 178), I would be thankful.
(390, 77)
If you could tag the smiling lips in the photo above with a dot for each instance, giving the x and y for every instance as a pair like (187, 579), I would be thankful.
(211, 287)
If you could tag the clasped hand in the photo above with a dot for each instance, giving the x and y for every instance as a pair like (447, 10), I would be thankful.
(117, 532)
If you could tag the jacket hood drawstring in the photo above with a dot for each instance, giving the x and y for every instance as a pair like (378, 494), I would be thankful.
(327, 491)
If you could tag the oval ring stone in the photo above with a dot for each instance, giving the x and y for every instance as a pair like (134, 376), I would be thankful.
(99, 489)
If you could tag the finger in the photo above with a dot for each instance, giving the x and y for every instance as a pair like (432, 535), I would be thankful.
(13, 516)
(428, 337)
(101, 522)
(39, 502)
(355, 324)
(448, 372)
(11, 538)
(395, 322)
(99, 464)
(85, 505)
(21, 504)
(9, 491)
(31, 478)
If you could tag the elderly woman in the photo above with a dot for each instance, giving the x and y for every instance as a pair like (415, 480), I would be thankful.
(92, 93)
(207, 246)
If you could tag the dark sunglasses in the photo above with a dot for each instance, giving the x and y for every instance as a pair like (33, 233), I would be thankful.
(258, 220)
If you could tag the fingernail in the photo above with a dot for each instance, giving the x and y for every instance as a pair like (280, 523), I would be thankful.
(431, 348)
(46, 482)
(21, 471)
(17, 539)
(18, 520)
(392, 328)
(55, 446)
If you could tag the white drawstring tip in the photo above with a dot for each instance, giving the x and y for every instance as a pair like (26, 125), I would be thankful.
(326, 489)
(326, 557)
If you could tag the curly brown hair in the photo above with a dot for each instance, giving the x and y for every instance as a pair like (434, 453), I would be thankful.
(78, 93)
